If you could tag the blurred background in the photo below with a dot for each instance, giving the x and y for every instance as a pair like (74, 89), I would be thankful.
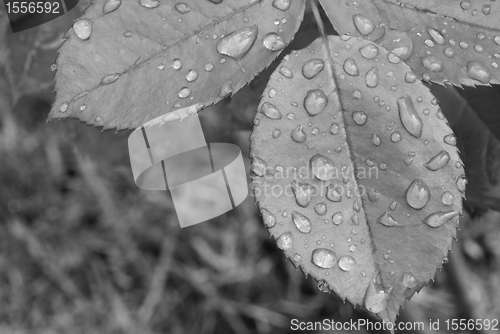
(83, 250)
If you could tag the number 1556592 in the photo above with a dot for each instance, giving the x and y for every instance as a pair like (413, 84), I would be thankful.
(23, 7)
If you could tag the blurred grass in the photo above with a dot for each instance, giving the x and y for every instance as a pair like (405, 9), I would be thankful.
(83, 250)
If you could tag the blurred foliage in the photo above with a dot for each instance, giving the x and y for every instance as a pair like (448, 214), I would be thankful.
(83, 250)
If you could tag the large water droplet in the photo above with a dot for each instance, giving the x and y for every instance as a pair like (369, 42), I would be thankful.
(285, 241)
(320, 209)
(376, 298)
(359, 117)
(333, 193)
(447, 198)
(111, 5)
(387, 220)
(282, 4)
(369, 51)
(337, 218)
(237, 44)
(461, 183)
(438, 161)
(347, 263)
(315, 102)
(83, 28)
(182, 7)
(322, 167)
(298, 135)
(350, 67)
(409, 280)
(372, 77)
(150, 3)
(302, 222)
(400, 44)
(258, 166)
(409, 117)
(324, 258)
(478, 72)
(274, 42)
(271, 111)
(432, 63)
(312, 67)
(268, 218)
(436, 36)
(363, 24)
(302, 193)
(439, 218)
(418, 194)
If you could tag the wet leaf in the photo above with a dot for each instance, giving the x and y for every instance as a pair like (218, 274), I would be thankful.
(130, 61)
(354, 173)
(439, 40)
(479, 147)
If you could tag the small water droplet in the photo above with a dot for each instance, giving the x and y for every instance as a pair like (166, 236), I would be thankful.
(83, 28)
(268, 218)
(297, 257)
(369, 51)
(449, 52)
(486, 9)
(363, 24)
(464, 45)
(282, 4)
(372, 77)
(359, 117)
(439, 218)
(149, 3)
(192, 75)
(387, 220)
(271, 111)
(315, 102)
(286, 72)
(418, 194)
(184, 92)
(323, 286)
(334, 193)
(478, 72)
(409, 116)
(128, 34)
(226, 90)
(322, 167)
(478, 48)
(298, 135)
(352, 248)
(334, 129)
(324, 258)
(64, 107)
(373, 195)
(337, 218)
(302, 193)
(237, 44)
(182, 8)
(302, 223)
(409, 280)
(461, 183)
(465, 4)
(312, 67)
(350, 67)
(376, 298)
(177, 64)
(393, 58)
(347, 263)
(274, 42)
(285, 241)
(447, 198)
(395, 137)
(272, 92)
(438, 161)
(432, 63)
(53, 67)
(436, 36)
(497, 39)
(258, 166)
(320, 209)
(410, 77)
(111, 5)
(450, 139)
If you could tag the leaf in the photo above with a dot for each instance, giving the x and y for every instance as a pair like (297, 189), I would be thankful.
(125, 63)
(441, 43)
(333, 122)
(479, 147)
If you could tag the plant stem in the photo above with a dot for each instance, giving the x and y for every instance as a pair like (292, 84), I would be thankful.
(317, 17)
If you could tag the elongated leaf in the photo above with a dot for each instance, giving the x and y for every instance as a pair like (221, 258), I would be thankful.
(356, 172)
(441, 41)
(480, 148)
(126, 62)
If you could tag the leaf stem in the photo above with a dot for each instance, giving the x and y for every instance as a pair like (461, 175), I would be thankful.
(317, 17)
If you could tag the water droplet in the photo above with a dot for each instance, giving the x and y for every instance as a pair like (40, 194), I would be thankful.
(226, 90)
(182, 8)
(449, 52)
(302, 222)
(465, 4)
(315, 102)
(359, 117)
(478, 72)
(447, 198)
(274, 42)
(439, 218)
(409, 117)
(98, 119)
(376, 298)
(237, 44)
(286, 72)
(372, 77)
(83, 28)
(268, 218)
(320, 209)
(429, 43)
(409, 280)
(177, 64)
(297, 257)
(497, 39)
(184, 92)
(192, 75)
(350, 67)
(150, 3)
(111, 5)
(486, 9)
(438, 161)
(209, 67)
(298, 135)
(324, 258)
(373, 195)
(387, 220)
(83, 107)
(461, 183)
(436, 36)
(272, 92)
(64, 107)
(337, 218)
(334, 129)
(258, 166)
(276, 133)
(347, 263)
(400, 44)
(478, 48)
(369, 51)
(322, 167)
(271, 111)
(53, 67)
(282, 4)
(285, 241)
(450, 139)
(302, 193)
(363, 24)
(410, 77)
(395, 137)
(464, 45)
(356, 94)
(432, 63)
(418, 194)
(312, 67)
(128, 34)
(333, 193)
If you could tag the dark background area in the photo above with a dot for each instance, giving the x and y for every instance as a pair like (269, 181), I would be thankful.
(83, 250)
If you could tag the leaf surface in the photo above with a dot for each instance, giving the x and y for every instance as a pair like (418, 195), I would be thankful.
(479, 147)
(126, 62)
(439, 40)
(340, 148)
